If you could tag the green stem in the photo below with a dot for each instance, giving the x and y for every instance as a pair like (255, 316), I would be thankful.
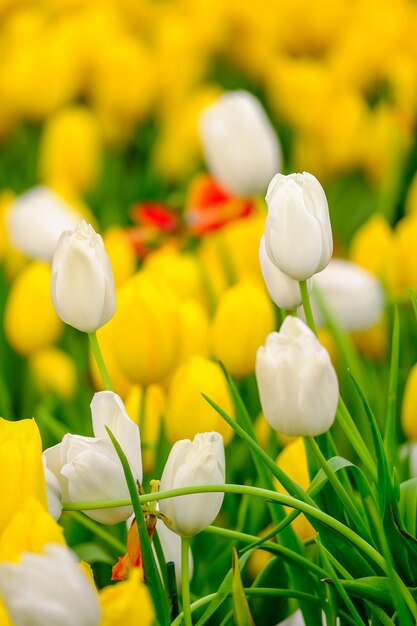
(307, 306)
(99, 531)
(185, 582)
(95, 347)
(266, 494)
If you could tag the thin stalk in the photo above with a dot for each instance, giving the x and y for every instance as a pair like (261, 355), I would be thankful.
(95, 347)
(266, 494)
(185, 582)
(307, 306)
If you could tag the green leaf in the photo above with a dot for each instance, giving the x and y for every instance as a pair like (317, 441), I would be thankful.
(408, 505)
(390, 437)
(240, 604)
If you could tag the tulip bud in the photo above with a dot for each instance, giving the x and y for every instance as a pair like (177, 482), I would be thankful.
(239, 143)
(353, 295)
(36, 220)
(82, 286)
(297, 384)
(190, 464)
(89, 469)
(283, 290)
(243, 319)
(187, 412)
(298, 235)
(49, 588)
(30, 322)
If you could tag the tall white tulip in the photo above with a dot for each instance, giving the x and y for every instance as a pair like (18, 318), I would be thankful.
(353, 295)
(88, 468)
(240, 146)
(49, 588)
(35, 221)
(297, 383)
(82, 284)
(283, 290)
(190, 464)
(298, 235)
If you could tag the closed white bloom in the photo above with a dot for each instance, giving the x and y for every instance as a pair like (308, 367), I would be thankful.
(297, 619)
(283, 290)
(297, 383)
(190, 464)
(49, 589)
(353, 295)
(53, 492)
(240, 146)
(298, 235)
(88, 468)
(82, 284)
(35, 221)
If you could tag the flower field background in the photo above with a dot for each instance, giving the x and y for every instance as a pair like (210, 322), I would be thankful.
(184, 314)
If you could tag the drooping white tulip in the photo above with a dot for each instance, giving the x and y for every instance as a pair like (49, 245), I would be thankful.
(82, 284)
(241, 148)
(297, 383)
(298, 235)
(190, 464)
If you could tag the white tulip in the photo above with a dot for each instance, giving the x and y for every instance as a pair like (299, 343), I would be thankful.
(190, 464)
(283, 290)
(354, 296)
(240, 146)
(88, 468)
(49, 589)
(297, 619)
(35, 221)
(82, 284)
(298, 235)
(297, 384)
(53, 491)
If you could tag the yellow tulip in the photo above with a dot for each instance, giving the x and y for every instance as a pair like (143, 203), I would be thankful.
(373, 247)
(178, 270)
(188, 413)
(70, 149)
(409, 406)
(292, 460)
(241, 238)
(244, 317)
(54, 370)
(121, 253)
(146, 330)
(127, 602)
(30, 530)
(120, 382)
(154, 409)
(30, 321)
(21, 469)
(4, 616)
(194, 323)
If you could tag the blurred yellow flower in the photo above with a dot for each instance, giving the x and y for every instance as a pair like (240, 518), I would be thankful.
(30, 321)
(155, 399)
(187, 412)
(127, 602)
(292, 460)
(120, 382)
(244, 317)
(30, 530)
(146, 330)
(54, 370)
(21, 469)
(405, 242)
(121, 253)
(177, 270)
(373, 342)
(409, 406)
(194, 330)
(70, 149)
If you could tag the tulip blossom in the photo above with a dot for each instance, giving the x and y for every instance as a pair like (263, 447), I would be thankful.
(171, 547)
(298, 235)
(36, 220)
(89, 469)
(82, 285)
(297, 383)
(190, 464)
(49, 588)
(239, 143)
(283, 290)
